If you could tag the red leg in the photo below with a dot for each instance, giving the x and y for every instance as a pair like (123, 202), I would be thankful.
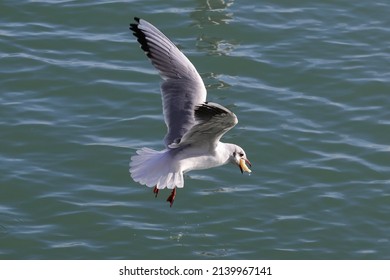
(155, 191)
(171, 198)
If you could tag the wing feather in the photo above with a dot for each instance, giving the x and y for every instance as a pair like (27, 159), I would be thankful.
(212, 122)
(182, 89)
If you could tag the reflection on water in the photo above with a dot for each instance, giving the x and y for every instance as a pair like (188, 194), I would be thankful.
(212, 12)
(210, 16)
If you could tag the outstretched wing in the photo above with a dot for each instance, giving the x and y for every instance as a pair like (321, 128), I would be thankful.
(182, 89)
(212, 122)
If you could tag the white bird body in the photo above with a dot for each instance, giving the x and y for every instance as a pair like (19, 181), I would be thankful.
(166, 168)
(194, 125)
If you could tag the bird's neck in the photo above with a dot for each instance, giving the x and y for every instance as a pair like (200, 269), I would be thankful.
(223, 152)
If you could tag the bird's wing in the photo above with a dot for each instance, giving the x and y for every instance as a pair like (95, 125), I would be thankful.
(212, 122)
(182, 89)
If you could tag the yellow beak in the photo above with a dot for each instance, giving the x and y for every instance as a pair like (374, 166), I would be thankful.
(243, 166)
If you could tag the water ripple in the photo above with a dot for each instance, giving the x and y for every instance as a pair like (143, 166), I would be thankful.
(311, 94)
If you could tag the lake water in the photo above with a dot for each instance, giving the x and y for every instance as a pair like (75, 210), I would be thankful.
(308, 80)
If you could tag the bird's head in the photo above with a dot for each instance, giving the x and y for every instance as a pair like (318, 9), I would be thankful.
(238, 157)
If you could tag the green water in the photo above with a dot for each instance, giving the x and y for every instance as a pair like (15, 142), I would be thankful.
(308, 80)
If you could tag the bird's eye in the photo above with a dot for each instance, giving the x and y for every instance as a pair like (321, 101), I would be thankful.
(241, 154)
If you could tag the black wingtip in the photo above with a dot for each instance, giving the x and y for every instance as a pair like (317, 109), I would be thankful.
(140, 35)
(134, 26)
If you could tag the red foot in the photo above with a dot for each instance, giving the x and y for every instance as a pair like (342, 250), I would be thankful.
(155, 191)
(171, 198)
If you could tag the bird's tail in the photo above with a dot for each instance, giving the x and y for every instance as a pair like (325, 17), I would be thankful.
(155, 168)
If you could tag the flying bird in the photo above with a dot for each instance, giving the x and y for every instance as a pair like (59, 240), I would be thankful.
(194, 126)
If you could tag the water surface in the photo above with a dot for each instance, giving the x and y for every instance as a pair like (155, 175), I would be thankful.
(308, 81)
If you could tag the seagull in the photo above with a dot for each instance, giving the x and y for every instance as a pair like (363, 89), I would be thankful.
(194, 126)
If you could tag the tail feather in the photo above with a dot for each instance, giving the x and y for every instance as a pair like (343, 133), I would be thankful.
(155, 168)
